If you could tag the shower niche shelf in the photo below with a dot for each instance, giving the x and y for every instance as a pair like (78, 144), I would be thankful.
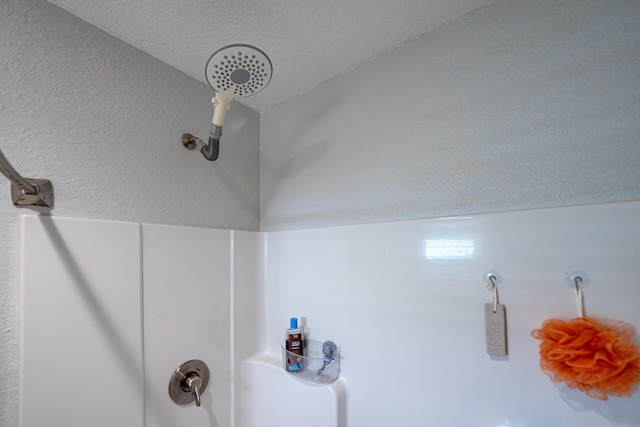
(315, 367)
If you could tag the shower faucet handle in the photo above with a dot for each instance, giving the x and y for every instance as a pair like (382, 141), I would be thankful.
(193, 383)
(188, 382)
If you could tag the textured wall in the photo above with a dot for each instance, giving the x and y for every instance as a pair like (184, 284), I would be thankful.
(299, 36)
(517, 105)
(102, 121)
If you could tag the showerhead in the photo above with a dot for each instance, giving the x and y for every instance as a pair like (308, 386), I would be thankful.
(238, 70)
(235, 71)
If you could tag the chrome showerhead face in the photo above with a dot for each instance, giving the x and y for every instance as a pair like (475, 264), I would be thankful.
(238, 70)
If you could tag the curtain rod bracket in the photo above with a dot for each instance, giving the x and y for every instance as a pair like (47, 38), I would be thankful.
(43, 195)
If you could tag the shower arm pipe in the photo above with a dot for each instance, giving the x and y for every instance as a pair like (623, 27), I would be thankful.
(27, 191)
(221, 103)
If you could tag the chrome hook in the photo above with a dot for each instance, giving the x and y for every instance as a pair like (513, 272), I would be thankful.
(576, 280)
(493, 278)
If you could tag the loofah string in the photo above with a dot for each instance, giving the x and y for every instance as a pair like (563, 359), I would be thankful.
(580, 302)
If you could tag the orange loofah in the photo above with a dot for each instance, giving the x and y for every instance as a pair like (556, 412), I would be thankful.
(598, 357)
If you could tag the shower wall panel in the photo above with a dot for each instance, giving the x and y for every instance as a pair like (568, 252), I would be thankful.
(80, 323)
(186, 316)
(90, 288)
(405, 301)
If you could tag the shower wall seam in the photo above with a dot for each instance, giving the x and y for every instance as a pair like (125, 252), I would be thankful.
(142, 334)
(232, 326)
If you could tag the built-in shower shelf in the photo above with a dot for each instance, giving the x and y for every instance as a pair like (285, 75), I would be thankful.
(314, 367)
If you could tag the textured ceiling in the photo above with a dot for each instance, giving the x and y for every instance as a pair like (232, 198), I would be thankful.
(308, 41)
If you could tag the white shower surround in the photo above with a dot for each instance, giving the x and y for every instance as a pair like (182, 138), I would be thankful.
(410, 321)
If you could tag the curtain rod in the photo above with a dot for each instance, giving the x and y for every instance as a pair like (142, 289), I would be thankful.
(27, 191)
